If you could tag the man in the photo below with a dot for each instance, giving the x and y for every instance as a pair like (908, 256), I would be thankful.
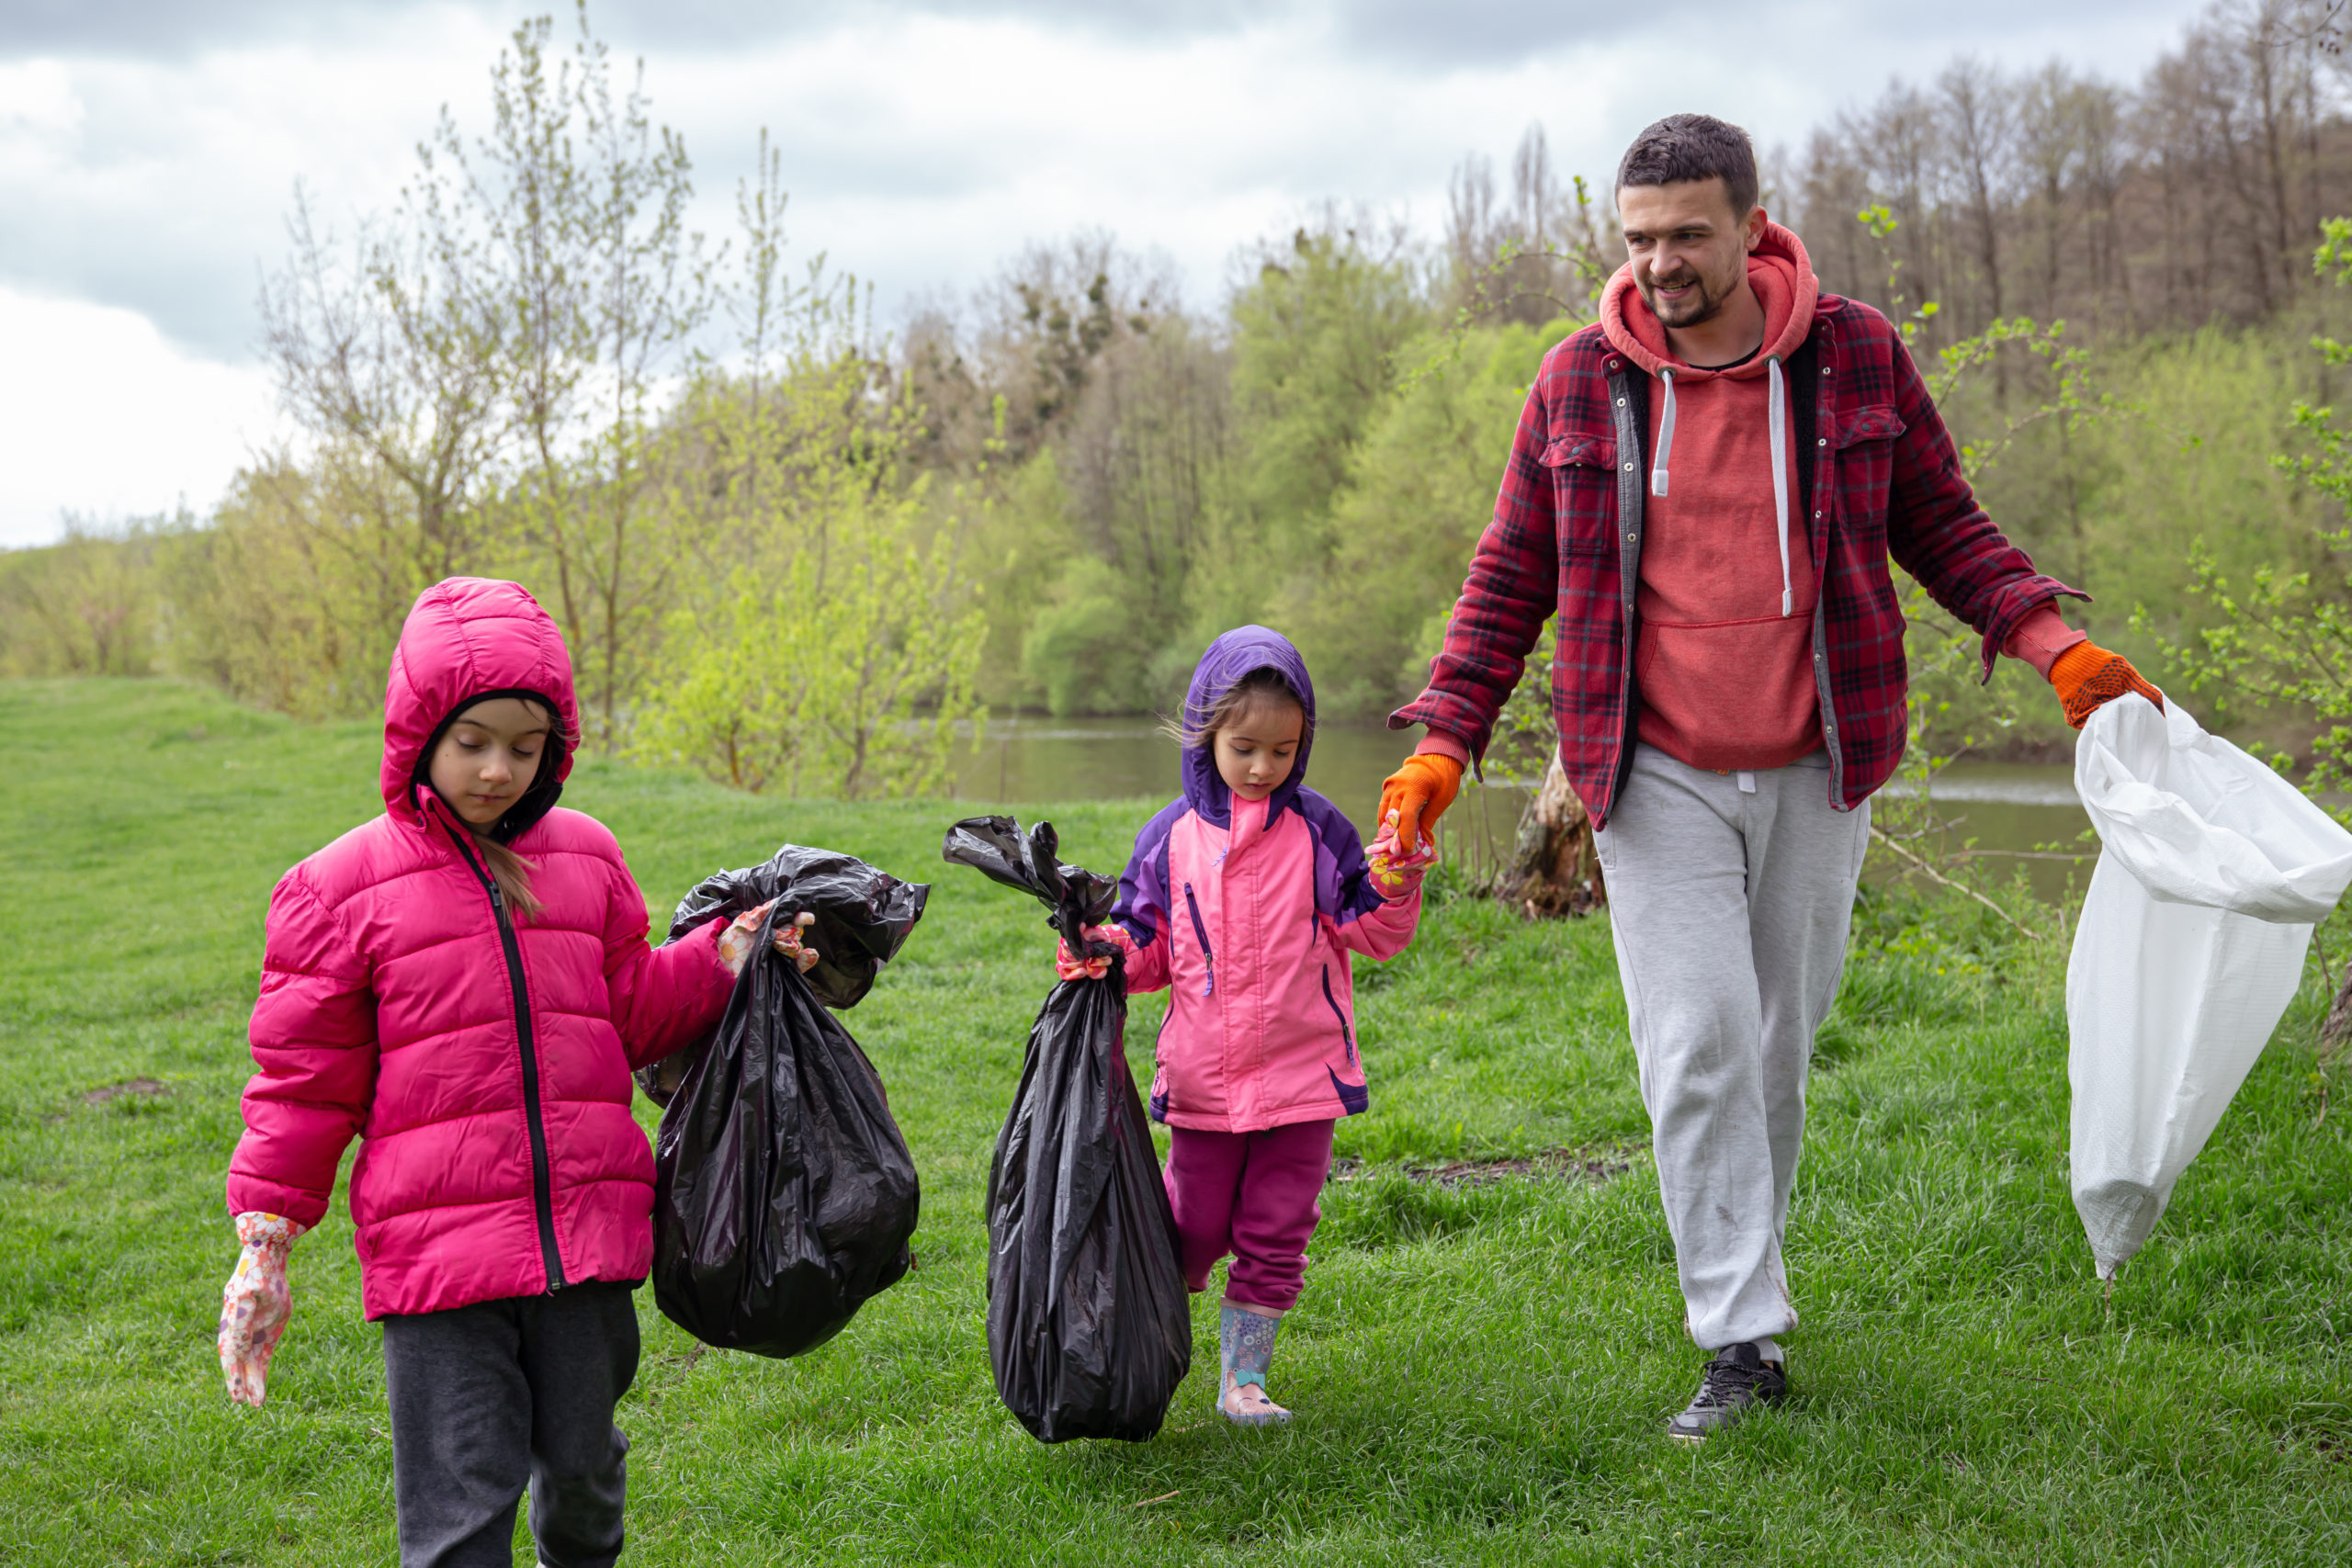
(1707, 485)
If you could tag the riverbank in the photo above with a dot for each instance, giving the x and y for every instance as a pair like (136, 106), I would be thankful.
(1481, 1361)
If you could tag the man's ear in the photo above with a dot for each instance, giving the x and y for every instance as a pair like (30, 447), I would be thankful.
(1752, 231)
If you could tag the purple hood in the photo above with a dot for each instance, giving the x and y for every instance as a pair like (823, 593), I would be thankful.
(1228, 658)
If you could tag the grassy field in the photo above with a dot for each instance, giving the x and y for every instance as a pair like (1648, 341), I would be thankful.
(1480, 1370)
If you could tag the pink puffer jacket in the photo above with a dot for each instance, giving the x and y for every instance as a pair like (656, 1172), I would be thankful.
(483, 1062)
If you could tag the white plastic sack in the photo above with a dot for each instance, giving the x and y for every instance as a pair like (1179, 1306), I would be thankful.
(2191, 945)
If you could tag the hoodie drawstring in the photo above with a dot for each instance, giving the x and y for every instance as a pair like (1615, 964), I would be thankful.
(1778, 402)
(1665, 438)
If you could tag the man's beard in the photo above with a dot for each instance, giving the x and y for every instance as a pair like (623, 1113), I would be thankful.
(1692, 311)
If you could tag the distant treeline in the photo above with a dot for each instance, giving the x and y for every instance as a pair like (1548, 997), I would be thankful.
(793, 551)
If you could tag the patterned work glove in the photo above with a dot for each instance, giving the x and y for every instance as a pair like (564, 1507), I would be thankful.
(254, 1305)
(1070, 966)
(2086, 677)
(735, 941)
(1396, 871)
(1416, 794)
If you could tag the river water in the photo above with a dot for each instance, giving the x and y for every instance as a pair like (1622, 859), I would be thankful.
(2019, 809)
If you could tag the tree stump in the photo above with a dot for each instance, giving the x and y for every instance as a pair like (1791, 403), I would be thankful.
(1553, 871)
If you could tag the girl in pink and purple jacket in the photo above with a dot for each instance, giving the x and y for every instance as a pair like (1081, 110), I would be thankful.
(1245, 898)
(463, 983)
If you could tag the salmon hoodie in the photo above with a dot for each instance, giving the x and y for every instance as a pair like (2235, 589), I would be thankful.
(1723, 657)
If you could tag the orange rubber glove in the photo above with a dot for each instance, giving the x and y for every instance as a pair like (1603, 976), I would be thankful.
(1418, 792)
(2086, 677)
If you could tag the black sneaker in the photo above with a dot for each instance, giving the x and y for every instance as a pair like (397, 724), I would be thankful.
(1737, 1377)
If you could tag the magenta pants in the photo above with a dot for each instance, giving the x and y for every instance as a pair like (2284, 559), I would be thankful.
(1250, 1194)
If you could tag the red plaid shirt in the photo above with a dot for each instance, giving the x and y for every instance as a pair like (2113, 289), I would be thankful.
(1566, 534)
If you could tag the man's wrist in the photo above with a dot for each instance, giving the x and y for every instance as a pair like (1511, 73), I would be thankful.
(1443, 743)
(2041, 636)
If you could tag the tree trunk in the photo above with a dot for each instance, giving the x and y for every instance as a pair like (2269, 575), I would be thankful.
(2338, 1025)
(1553, 869)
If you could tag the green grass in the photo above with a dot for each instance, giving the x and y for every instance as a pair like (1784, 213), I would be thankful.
(1480, 1372)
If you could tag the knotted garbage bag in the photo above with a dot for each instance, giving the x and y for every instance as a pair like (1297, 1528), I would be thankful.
(862, 916)
(783, 1194)
(2190, 946)
(1089, 1328)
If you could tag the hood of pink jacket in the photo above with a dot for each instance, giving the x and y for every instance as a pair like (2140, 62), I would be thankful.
(1233, 656)
(466, 638)
(1777, 270)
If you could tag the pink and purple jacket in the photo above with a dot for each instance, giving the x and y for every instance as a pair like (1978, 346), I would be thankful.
(1248, 911)
(482, 1060)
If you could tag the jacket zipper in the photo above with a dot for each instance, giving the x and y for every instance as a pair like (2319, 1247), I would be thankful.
(1208, 959)
(1347, 1035)
(542, 1186)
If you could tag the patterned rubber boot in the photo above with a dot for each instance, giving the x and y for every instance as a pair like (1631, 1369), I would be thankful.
(1245, 1342)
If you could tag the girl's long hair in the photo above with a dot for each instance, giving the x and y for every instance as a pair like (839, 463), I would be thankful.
(1263, 685)
(509, 870)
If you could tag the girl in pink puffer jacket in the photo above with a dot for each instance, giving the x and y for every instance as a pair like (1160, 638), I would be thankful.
(1244, 899)
(464, 983)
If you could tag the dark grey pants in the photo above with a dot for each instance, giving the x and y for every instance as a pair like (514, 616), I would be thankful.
(489, 1397)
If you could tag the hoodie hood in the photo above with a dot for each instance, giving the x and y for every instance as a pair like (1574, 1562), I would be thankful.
(466, 638)
(1230, 658)
(1782, 275)
(1780, 272)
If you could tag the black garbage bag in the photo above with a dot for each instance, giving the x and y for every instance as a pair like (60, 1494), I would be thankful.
(1089, 1328)
(783, 1193)
(862, 916)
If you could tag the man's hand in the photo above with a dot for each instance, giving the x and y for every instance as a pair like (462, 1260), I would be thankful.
(735, 941)
(255, 1306)
(1416, 794)
(2086, 677)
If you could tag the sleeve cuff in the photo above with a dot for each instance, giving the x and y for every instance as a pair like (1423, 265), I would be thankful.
(2041, 638)
(1442, 743)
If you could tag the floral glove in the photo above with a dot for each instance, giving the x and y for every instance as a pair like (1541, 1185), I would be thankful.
(735, 941)
(1071, 967)
(254, 1305)
(1396, 871)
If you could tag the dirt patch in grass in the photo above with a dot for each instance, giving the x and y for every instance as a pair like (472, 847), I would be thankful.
(136, 1090)
(1590, 1163)
(139, 1089)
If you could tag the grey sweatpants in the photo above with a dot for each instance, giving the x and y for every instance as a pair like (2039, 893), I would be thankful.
(1730, 897)
(487, 1397)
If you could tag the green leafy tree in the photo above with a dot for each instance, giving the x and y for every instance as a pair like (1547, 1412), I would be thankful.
(2281, 637)
(850, 676)
(1420, 492)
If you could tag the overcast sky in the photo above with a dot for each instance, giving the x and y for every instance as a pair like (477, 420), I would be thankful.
(149, 149)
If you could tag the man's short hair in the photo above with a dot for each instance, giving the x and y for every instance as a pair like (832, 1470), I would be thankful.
(1683, 146)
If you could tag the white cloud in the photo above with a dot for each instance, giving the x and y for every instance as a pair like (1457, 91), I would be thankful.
(107, 419)
(922, 148)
